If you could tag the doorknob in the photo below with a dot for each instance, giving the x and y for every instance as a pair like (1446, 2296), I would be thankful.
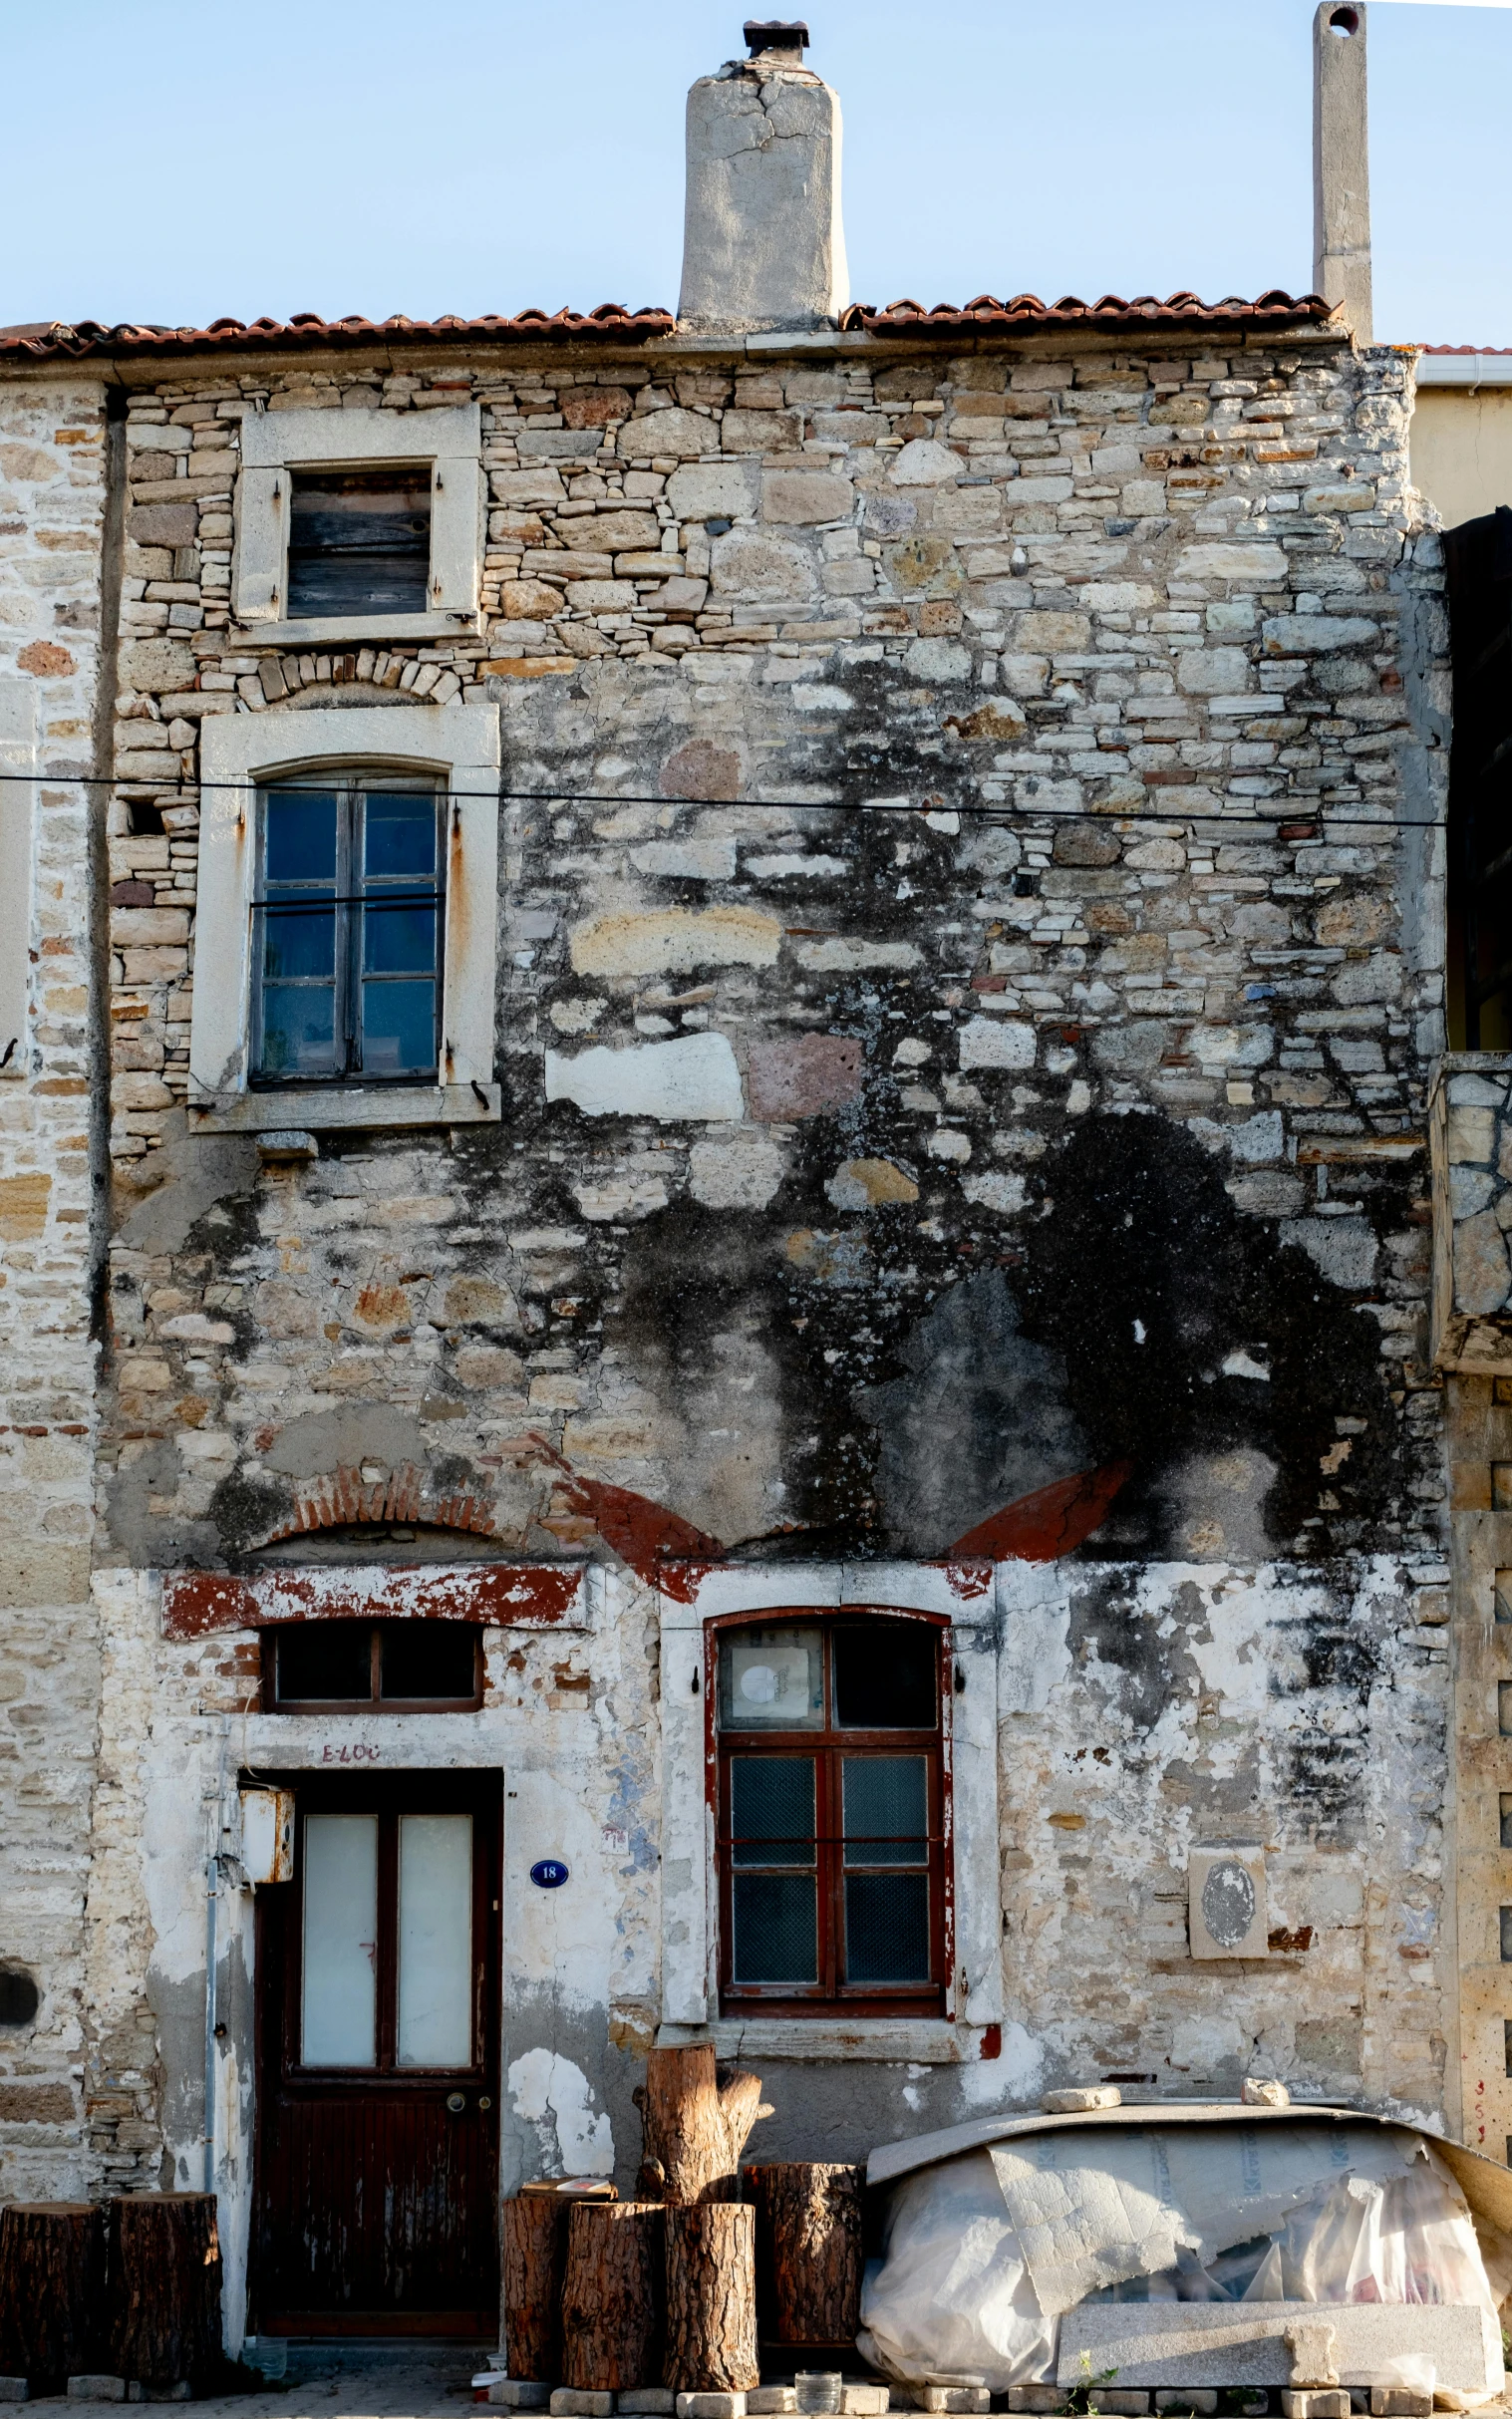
(456, 2101)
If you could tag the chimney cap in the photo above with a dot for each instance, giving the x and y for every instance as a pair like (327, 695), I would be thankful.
(772, 33)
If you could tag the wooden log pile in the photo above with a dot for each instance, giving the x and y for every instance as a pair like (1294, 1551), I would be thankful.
(662, 2291)
(131, 2291)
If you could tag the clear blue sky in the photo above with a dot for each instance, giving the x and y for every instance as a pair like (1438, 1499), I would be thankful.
(174, 162)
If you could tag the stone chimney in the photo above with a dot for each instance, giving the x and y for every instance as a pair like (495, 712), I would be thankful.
(762, 242)
(1341, 165)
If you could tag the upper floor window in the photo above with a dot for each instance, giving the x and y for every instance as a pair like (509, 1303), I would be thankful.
(359, 543)
(348, 919)
(364, 525)
(831, 1816)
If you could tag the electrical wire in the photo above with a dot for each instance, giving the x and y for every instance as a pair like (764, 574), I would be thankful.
(930, 804)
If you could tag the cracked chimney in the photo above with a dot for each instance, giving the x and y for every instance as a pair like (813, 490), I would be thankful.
(762, 242)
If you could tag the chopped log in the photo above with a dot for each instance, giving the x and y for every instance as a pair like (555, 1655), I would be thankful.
(696, 2124)
(612, 2299)
(52, 2292)
(711, 2299)
(535, 2260)
(809, 2251)
(163, 2261)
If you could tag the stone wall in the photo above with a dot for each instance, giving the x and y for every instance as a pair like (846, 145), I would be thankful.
(860, 1171)
(52, 515)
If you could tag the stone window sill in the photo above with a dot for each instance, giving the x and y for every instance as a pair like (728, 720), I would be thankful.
(357, 630)
(352, 1105)
(881, 2041)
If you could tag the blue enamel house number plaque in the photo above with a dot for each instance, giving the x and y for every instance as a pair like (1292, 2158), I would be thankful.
(550, 1874)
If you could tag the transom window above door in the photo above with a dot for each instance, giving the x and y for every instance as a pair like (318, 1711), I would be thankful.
(348, 923)
(395, 1667)
(831, 1807)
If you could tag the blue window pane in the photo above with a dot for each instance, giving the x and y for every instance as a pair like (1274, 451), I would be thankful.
(298, 940)
(771, 1810)
(398, 1028)
(401, 834)
(886, 1809)
(301, 836)
(298, 1028)
(887, 1928)
(398, 940)
(776, 1927)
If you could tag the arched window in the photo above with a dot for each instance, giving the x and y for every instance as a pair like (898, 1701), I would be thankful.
(348, 914)
(831, 1825)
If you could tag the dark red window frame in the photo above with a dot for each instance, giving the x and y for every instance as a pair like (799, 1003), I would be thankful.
(832, 1995)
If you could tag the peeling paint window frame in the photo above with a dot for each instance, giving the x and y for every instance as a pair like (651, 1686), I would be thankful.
(458, 747)
(828, 1743)
(356, 893)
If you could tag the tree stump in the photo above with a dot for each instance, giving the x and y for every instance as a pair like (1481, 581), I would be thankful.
(809, 2251)
(696, 2126)
(711, 2299)
(52, 2292)
(534, 2260)
(164, 2266)
(612, 2299)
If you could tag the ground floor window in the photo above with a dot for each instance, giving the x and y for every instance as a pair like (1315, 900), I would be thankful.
(831, 1835)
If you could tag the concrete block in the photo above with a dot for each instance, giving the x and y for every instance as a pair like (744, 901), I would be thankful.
(1124, 2401)
(1310, 2344)
(91, 2388)
(568, 2403)
(862, 2401)
(167, 2393)
(1314, 2402)
(952, 2398)
(1199, 2399)
(13, 2390)
(710, 2406)
(522, 2394)
(1400, 2402)
(1167, 2343)
(763, 2402)
(1039, 2398)
(654, 2401)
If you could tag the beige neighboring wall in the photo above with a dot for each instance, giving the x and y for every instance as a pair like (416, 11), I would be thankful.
(1461, 443)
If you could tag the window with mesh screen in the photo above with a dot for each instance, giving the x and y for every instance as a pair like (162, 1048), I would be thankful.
(831, 1845)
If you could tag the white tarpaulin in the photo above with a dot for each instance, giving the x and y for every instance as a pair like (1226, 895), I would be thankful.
(986, 2250)
(1091, 2210)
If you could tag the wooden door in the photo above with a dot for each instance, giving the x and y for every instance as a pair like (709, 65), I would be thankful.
(379, 2027)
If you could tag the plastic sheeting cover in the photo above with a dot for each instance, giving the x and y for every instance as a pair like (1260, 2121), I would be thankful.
(980, 2263)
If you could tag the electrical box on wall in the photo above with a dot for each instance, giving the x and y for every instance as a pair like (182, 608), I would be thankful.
(267, 1835)
(1228, 1915)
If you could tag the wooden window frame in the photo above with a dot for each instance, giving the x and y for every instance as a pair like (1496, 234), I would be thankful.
(376, 1702)
(826, 1746)
(354, 895)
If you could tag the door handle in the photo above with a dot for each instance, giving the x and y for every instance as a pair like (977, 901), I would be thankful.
(456, 2101)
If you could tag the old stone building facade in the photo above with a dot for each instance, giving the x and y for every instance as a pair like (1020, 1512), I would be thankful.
(938, 863)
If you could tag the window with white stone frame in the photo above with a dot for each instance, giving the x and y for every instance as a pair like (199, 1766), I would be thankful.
(358, 525)
(345, 931)
(949, 2006)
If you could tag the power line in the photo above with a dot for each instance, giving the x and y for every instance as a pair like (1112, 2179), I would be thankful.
(931, 804)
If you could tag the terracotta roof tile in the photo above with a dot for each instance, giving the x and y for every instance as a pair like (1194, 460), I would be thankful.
(1109, 311)
(306, 331)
